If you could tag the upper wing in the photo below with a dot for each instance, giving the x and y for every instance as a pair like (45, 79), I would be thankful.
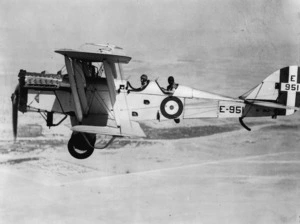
(93, 56)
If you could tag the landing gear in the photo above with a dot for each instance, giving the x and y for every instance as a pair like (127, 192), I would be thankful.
(81, 145)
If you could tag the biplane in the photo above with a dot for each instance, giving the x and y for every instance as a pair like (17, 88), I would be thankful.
(96, 97)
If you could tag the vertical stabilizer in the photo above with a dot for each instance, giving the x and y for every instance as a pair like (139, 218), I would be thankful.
(281, 87)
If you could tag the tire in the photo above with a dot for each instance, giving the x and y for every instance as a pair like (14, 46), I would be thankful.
(78, 146)
(171, 107)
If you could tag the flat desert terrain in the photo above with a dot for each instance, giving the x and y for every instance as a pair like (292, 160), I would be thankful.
(222, 173)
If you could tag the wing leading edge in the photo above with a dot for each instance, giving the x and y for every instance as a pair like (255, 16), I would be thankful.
(93, 56)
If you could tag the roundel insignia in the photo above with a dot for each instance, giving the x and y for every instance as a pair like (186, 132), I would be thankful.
(171, 107)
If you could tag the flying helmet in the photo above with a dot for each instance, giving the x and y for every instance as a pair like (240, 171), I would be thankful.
(144, 78)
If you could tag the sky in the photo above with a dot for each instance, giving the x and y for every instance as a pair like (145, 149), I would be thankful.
(206, 43)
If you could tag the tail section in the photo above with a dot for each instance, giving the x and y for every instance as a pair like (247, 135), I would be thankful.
(278, 94)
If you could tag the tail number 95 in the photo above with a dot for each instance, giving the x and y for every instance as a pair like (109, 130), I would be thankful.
(231, 109)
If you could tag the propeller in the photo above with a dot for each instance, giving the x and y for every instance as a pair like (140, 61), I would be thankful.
(15, 107)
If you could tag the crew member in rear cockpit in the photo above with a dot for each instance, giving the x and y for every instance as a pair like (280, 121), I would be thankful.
(172, 85)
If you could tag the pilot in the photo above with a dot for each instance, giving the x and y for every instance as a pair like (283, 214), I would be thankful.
(172, 85)
(144, 83)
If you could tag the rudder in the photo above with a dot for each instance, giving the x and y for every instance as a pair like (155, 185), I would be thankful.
(281, 87)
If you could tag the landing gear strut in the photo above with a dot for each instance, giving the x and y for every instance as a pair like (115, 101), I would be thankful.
(81, 145)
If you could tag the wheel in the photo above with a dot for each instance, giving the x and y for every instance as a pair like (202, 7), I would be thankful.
(171, 107)
(78, 146)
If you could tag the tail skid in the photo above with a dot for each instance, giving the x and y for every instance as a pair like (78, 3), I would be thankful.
(243, 124)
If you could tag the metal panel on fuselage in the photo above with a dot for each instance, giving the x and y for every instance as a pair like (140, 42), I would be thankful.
(144, 106)
(59, 101)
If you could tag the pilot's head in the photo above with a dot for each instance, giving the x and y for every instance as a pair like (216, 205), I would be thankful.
(171, 80)
(144, 79)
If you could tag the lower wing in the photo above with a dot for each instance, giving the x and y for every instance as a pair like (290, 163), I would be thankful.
(134, 130)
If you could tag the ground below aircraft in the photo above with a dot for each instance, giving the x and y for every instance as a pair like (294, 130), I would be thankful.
(94, 94)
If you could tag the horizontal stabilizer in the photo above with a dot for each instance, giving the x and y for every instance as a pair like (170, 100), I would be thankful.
(272, 105)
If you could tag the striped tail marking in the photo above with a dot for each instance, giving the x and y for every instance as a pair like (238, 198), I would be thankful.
(289, 90)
